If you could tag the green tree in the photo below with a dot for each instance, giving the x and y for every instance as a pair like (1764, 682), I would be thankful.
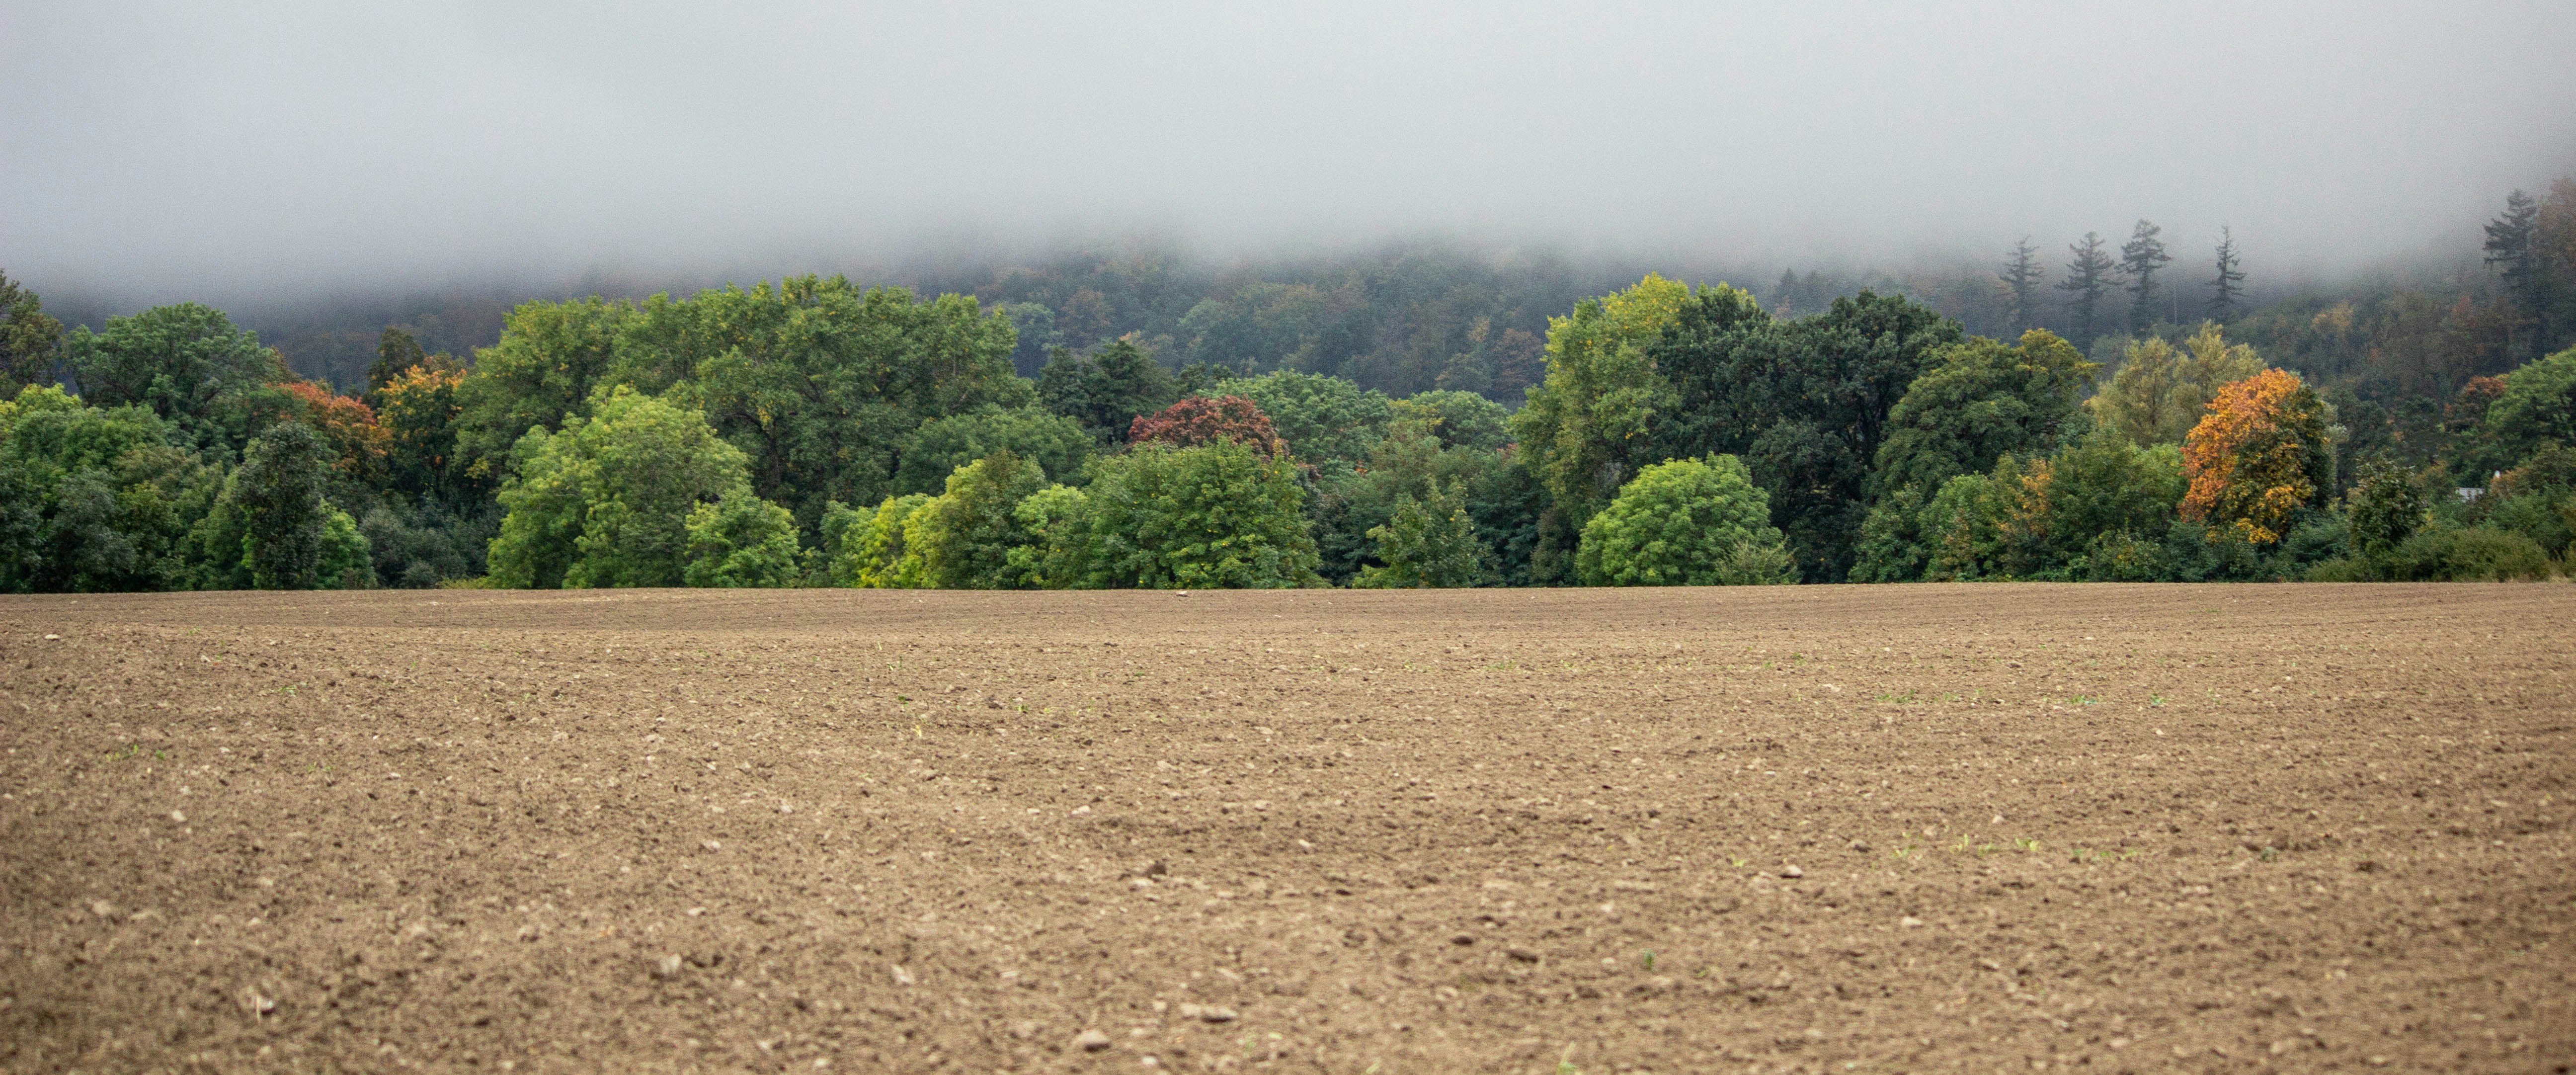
(2510, 249)
(964, 536)
(1057, 520)
(2159, 392)
(818, 382)
(1108, 391)
(2100, 509)
(1328, 422)
(2088, 279)
(1586, 429)
(1057, 444)
(1462, 419)
(396, 353)
(1217, 516)
(1980, 401)
(1805, 404)
(29, 340)
(740, 541)
(2385, 507)
(551, 357)
(213, 383)
(1689, 522)
(877, 556)
(1410, 461)
(94, 500)
(1429, 543)
(2537, 405)
(2140, 258)
(292, 537)
(607, 500)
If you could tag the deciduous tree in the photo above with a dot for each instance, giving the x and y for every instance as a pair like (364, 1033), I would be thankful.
(1428, 544)
(606, 501)
(1197, 420)
(30, 341)
(1688, 522)
(2258, 458)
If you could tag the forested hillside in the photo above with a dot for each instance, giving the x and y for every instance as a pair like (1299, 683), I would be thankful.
(1421, 416)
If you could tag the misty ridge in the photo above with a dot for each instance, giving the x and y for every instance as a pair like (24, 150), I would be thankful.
(1404, 316)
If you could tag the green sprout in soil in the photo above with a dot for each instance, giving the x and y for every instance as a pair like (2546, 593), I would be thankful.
(1649, 960)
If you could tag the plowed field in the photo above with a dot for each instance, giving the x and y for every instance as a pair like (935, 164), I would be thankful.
(2234, 828)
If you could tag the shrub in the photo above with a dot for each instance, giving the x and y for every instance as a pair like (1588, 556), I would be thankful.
(2121, 556)
(1679, 524)
(1754, 563)
(420, 546)
(2343, 570)
(2468, 554)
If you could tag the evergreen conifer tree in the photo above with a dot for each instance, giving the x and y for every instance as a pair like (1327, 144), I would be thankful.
(2228, 284)
(2088, 278)
(2140, 257)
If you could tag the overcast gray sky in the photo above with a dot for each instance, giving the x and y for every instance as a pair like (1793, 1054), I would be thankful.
(221, 150)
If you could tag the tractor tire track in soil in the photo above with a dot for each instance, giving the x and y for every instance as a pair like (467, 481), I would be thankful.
(2130, 828)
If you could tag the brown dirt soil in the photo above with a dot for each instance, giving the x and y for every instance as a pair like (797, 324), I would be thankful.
(1884, 829)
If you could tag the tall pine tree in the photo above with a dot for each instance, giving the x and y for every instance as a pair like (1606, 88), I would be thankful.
(2088, 278)
(2140, 257)
(2021, 275)
(2509, 248)
(2227, 286)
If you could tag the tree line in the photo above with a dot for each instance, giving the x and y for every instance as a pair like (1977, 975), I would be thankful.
(813, 432)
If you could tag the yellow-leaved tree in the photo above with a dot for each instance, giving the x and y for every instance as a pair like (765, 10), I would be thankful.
(2258, 456)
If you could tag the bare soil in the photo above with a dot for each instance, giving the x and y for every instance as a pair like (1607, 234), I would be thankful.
(2154, 828)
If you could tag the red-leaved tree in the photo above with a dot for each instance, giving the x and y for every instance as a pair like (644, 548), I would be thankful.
(1199, 420)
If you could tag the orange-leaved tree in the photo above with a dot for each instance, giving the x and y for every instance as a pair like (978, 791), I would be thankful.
(348, 425)
(1199, 420)
(2258, 456)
